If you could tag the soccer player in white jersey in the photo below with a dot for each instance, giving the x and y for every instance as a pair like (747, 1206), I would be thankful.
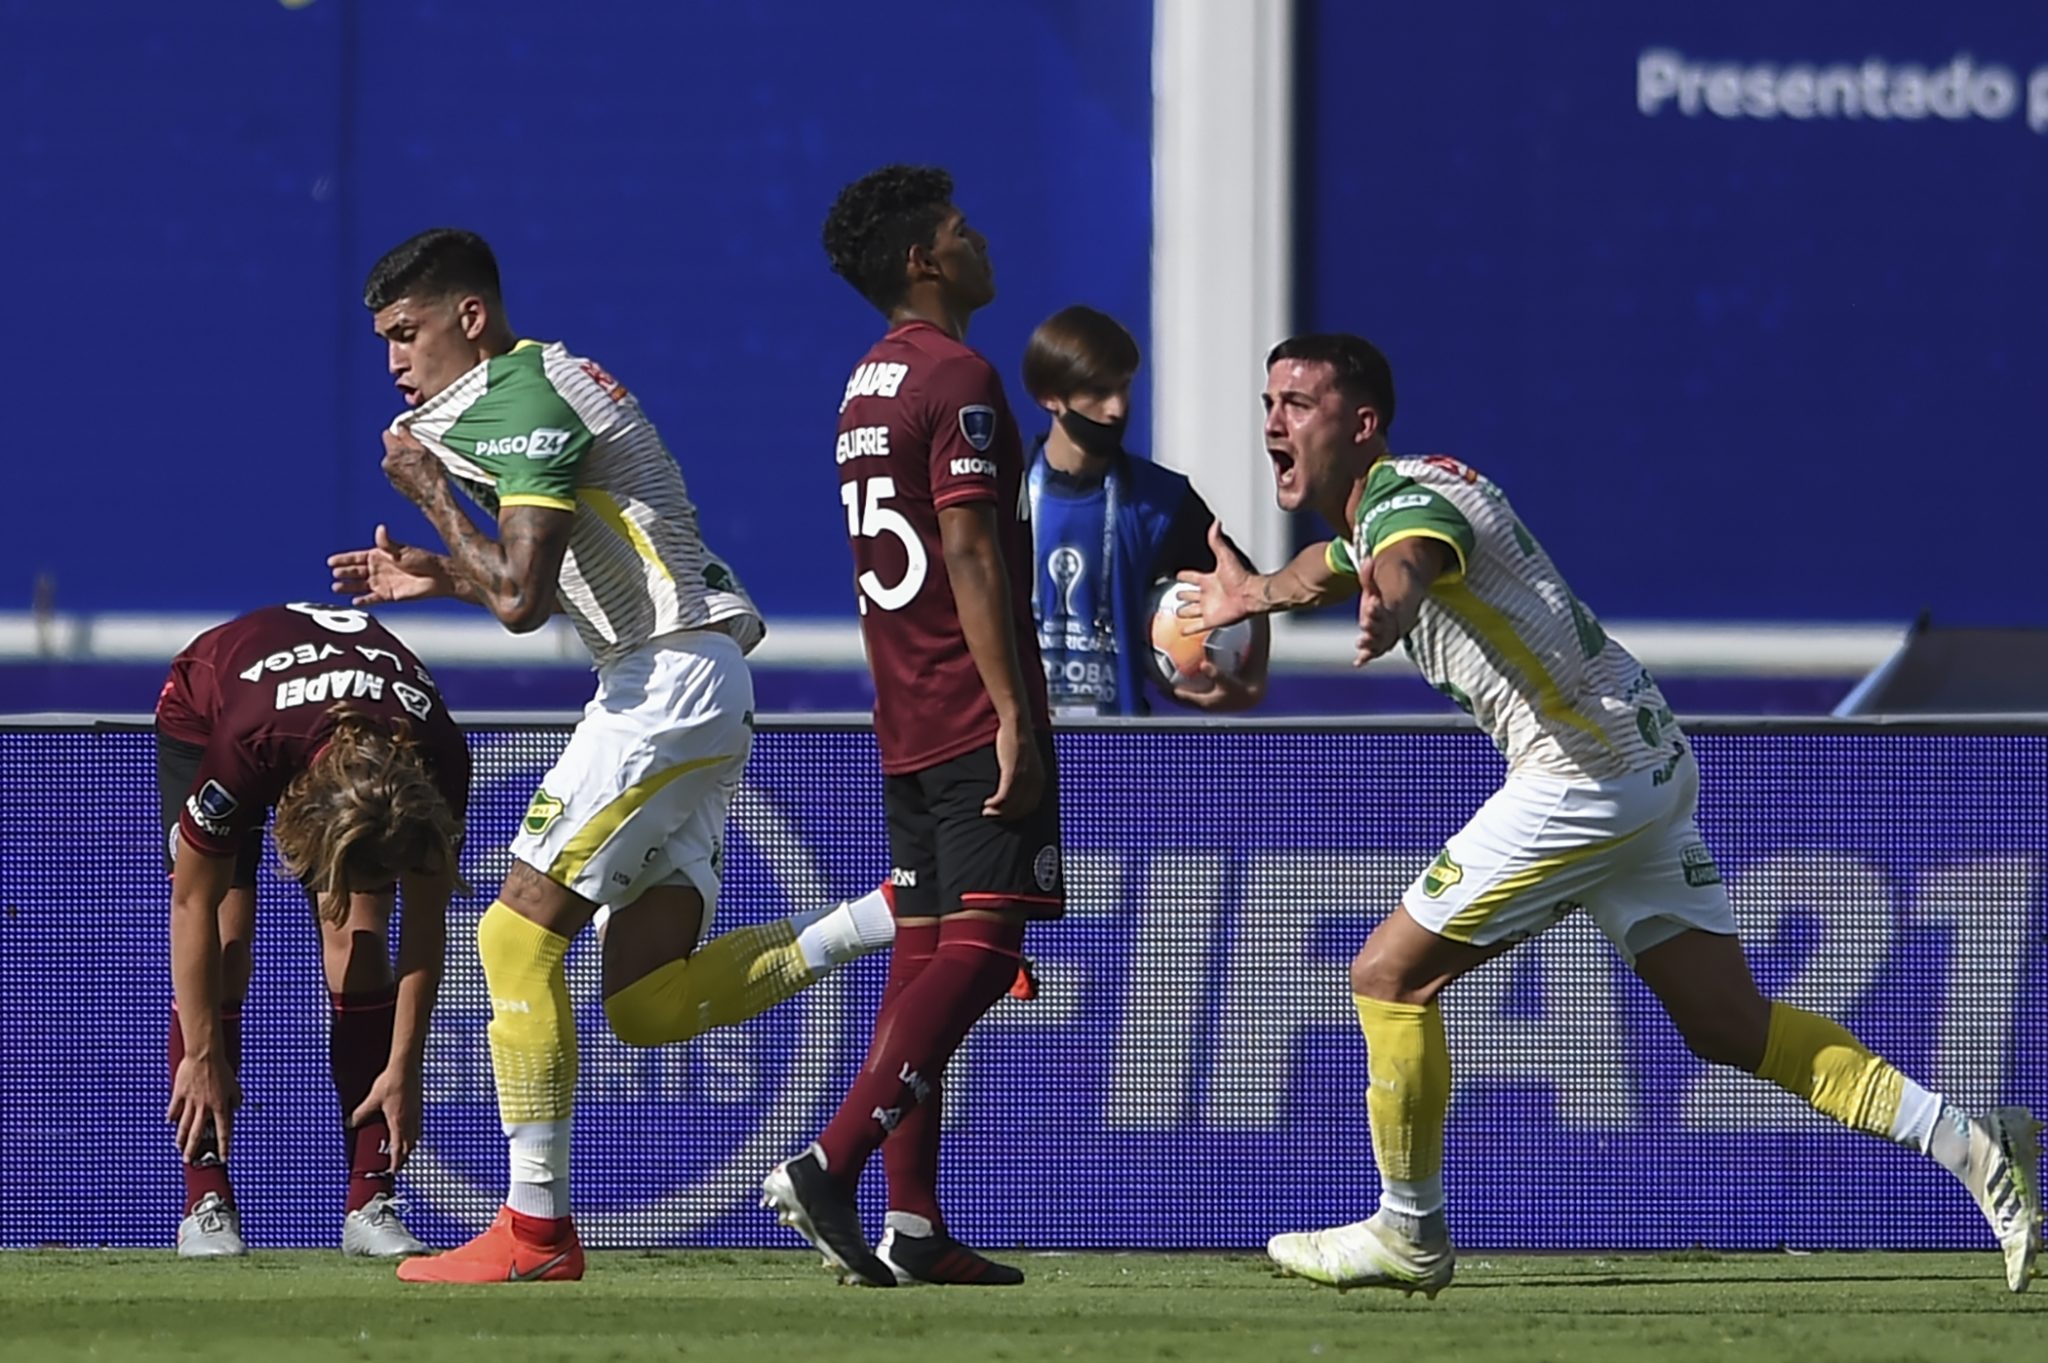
(593, 521)
(1596, 813)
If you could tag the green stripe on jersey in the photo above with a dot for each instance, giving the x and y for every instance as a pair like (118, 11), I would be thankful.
(1395, 506)
(523, 433)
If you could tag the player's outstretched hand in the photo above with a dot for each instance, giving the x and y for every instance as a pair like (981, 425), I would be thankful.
(389, 571)
(204, 1096)
(1378, 630)
(1020, 776)
(396, 1096)
(1223, 597)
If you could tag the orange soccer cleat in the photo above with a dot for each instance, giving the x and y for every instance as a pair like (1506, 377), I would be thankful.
(508, 1252)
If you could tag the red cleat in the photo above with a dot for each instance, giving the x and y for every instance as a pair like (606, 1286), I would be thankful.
(511, 1251)
(1025, 986)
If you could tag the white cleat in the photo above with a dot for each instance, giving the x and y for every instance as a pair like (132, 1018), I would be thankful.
(211, 1230)
(374, 1231)
(2005, 1178)
(1365, 1254)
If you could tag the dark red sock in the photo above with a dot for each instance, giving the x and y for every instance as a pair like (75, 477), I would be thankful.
(910, 1156)
(915, 943)
(917, 1034)
(540, 1230)
(358, 1049)
(210, 1173)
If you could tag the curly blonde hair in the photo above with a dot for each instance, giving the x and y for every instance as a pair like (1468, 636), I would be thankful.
(364, 811)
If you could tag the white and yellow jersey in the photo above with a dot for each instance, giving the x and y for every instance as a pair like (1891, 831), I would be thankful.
(538, 426)
(1502, 635)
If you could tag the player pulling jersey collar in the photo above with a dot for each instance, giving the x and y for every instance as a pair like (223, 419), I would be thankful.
(592, 515)
(540, 427)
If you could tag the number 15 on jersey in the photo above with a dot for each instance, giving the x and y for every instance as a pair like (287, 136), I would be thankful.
(868, 516)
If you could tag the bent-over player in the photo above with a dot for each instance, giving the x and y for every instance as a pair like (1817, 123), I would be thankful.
(323, 714)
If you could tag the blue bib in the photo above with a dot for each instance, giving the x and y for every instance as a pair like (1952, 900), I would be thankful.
(1073, 591)
(1092, 577)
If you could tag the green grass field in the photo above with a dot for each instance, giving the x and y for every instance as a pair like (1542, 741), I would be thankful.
(783, 1308)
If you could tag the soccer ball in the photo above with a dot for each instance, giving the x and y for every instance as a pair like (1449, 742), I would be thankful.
(1176, 657)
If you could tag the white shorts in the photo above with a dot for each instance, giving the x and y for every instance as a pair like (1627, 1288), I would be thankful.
(639, 796)
(1626, 852)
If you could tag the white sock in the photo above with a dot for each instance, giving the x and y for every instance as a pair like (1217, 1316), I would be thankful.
(540, 1169)
(908, 1223)
(832, 937)
(1425, 1197)
(1935, 1127)
(1948, 1144)
(1914, 1123)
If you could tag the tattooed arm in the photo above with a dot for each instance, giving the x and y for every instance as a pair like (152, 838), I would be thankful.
(513, 576)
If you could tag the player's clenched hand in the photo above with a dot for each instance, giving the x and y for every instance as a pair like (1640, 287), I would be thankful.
(396, 1096)
(1020, 776)
(389, 571)
(412, 469)
(204, 1096)
(1378, 629)
(1223, 597)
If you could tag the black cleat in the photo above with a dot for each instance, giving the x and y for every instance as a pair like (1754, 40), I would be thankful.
(941, 1260)
(814, 1205)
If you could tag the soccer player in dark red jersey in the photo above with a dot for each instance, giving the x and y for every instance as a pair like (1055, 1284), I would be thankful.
(323, 714)
(931, 472)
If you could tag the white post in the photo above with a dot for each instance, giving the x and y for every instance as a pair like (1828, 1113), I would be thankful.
(1222, 247)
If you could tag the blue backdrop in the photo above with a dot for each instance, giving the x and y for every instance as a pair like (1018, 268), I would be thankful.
(1191, 1074)
(1725, 362)
(195, 194)
(1733, 351)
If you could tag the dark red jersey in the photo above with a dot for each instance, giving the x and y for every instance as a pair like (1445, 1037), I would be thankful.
(924, 426)
(258, 693)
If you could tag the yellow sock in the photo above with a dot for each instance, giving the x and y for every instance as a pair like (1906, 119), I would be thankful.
(533, 1027)
(736, 976)
(1410, 1067)
(1814, 1058)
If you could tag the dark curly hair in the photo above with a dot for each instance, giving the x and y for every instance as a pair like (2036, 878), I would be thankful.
(877, 219)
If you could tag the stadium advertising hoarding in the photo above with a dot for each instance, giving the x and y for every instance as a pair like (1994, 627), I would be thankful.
(1190, 1076)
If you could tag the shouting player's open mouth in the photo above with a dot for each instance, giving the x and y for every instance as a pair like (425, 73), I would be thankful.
(1283, 467)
